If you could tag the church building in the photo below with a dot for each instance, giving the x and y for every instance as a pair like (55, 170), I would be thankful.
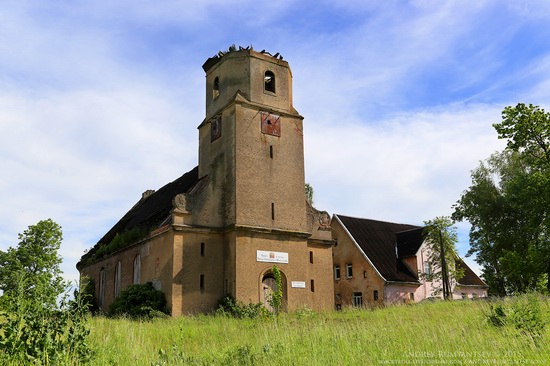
(221, 227)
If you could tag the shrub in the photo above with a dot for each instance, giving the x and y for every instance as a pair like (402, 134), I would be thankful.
(231, 307)
(523, 312)
(140, 302)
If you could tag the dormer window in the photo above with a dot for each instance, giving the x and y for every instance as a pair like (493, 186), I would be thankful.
(216, 88)
(269, 81)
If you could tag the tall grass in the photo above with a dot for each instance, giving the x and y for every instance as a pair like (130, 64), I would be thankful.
(450, 333)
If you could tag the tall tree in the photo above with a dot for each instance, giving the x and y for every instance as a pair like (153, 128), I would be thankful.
(441, 237)
(34, 264)
(507, 204)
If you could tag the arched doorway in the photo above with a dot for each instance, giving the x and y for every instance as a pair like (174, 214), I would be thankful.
(268, 287)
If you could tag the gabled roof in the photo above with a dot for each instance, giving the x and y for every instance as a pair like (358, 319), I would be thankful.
(151, 210)
(469, 278)
(377, 239)
(409, 242)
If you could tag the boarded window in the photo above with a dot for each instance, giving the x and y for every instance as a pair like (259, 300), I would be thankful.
(118, 275)
(215, 128)
(271, 124)
(137, 270)
(102, 287)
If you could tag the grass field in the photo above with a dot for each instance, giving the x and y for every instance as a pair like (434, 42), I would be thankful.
(444, 333)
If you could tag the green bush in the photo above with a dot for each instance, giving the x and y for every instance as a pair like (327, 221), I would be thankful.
(522, 312)
(231, 307)
(140, 302)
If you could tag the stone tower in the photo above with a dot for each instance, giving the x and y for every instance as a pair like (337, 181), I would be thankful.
(220, 228)
(252, 155)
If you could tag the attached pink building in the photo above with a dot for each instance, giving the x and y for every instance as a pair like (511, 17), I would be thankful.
(379, 262)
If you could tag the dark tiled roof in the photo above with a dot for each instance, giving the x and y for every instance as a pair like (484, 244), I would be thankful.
(408, 242)
(470, 278)
(151, 211)
(377, 239)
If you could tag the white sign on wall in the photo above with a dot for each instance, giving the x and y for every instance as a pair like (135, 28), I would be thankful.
(298, 284)
(272, 257)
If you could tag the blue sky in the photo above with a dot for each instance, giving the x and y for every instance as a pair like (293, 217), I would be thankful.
(99, 101)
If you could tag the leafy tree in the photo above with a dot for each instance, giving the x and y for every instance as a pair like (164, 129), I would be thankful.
(507, 205)
(309, 193)
(34, 327)
(35, 260)
(440, 234)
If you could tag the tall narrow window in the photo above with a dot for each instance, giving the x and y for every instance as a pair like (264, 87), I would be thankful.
(271, 151)
(216, 88)
(349, 271)
(337, 272)
(310, 256)
(375, 295)
(272, 211)
(102, 287)
(427, 268)
(137, 270)
(118, 270)
(312, 285)
(201, 283)
(269, 81)
(358, 299)
(202, 249)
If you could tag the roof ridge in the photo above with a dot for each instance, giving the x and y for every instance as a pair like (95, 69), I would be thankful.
(381, 221)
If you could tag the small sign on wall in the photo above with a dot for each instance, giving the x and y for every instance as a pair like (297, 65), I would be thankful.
(271, 257)
(298, 284)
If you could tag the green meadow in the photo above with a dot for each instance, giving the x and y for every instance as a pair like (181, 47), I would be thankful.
(440, 333)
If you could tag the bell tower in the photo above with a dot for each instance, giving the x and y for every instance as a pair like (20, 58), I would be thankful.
(251, 142)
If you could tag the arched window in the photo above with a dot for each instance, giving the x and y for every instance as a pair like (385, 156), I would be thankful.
(101, 287)
(137, 270)
(216, 88)
(118, 270)
(269, 81)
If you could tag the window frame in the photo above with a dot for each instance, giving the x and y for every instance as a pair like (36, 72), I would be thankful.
(357, 299)
(337, 273)
(349, 270)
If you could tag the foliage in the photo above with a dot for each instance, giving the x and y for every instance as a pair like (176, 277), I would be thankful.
(87, 291)
(34, 328)
(237, 309)
(120, 241)
(309, 193)
(276, 298)
(524, 313)
(35, 259)
(140, 302)
(527, 129)
(441, 238)
(507, 205)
